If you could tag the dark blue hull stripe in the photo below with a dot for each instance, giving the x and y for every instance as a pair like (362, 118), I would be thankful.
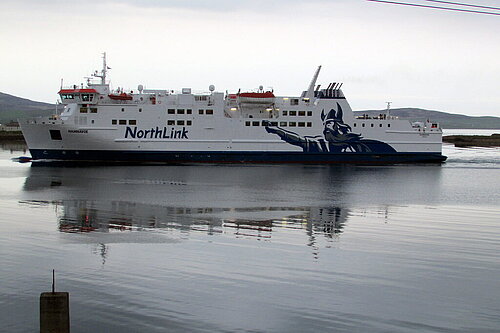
(233, 157)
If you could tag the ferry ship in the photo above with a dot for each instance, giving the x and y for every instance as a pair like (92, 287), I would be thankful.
(146, 125)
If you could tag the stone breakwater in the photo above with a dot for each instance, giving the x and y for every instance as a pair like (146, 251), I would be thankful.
(473, 140)
(11, 136)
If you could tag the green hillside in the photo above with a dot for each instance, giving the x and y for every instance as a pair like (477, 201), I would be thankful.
(446, 120)
(13, 108)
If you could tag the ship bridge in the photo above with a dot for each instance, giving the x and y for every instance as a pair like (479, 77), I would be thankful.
(75, 95)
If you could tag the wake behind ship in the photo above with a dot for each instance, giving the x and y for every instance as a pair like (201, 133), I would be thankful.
(318, 126)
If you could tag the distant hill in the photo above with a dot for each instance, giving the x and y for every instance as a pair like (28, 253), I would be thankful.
(13, 108)
(446, 120)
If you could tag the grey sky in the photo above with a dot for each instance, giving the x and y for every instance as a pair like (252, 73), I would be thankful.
(410, 56)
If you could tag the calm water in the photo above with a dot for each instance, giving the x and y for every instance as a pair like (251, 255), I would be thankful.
(407, 248)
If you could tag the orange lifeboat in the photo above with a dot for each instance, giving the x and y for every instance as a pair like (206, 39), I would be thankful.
(120, 97)
(256, 97)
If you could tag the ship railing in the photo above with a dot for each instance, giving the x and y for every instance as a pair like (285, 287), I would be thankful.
(381, 116)
(42, 120)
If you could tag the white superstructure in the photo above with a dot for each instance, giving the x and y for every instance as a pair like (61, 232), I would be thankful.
(161, 125)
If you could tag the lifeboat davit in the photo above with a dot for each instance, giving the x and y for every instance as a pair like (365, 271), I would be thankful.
(120, 97)
(256, 97)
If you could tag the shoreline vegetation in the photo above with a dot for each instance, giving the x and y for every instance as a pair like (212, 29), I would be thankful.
(458, 140)
(473, 140)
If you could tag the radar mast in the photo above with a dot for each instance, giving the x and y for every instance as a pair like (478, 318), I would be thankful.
(103, 71)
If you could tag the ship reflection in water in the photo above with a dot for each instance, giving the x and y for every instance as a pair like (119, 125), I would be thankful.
(304, 205)
(82, 216)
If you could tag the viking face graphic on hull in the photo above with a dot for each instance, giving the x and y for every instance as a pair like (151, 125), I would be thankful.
(336, 138)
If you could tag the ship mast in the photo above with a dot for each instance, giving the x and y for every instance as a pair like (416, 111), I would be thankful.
(103, 71)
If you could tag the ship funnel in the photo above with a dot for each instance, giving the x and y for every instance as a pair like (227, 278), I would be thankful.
(310, 91)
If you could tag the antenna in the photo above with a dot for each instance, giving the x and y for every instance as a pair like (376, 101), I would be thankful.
(53, 280)
(104, 70)
(388, 108)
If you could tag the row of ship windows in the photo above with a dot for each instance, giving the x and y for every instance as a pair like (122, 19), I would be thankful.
(123, 122)
(189, 111)
(180, 122)
(371, 125)
(281, 123)
(297, 113)
(295, 124)
(88, 110)
(134, 122)
(169, 111)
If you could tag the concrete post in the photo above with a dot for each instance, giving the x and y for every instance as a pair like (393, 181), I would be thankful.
(54, 312)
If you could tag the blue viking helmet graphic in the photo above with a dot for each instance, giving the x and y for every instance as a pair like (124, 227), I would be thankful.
(335, 115)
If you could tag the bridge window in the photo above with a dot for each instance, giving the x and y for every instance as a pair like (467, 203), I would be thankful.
(170, 122)
(285, 112)
(302, 124)
(293, 113)
(283, 123)
(302, 113)
(255, 123)
(189, 122)
(122, 122)
(132, 122)
(113, 122)
(247, 123)
(180, 122)
(189, 111)
(201, 111)
(294, 101)
(292, 124)
(180, 111)
(87, 97)
(309, 124)
(171, 111)
(210, 112)
(309, 113)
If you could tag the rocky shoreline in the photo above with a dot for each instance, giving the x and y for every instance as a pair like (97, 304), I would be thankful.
(473, 140)
(11, 136)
